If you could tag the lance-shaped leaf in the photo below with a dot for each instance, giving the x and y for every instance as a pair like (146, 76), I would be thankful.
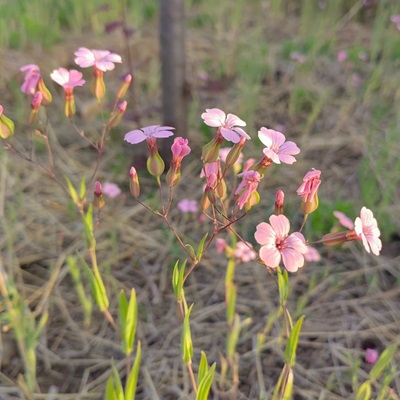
(72, 191)
(131, 383)
(97, 285)
(231, 303)
(233, 337)
(205, 384)
(177, 280)
(283, 285)
(383, 361)
(128, 320)
(291, 346)
(364, 392)
(200, 249)
(187, 344)
(203, 368)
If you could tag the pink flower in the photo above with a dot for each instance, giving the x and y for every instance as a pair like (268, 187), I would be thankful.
(67, 79)
(111, 190)
(32, 77)
(247, 187)
(312, 254)
(367, 229)
(299, 57)
(342, 56)
(371, 356)
(395, 19)
(244, 251)
(188, 206)
(211, 171)
(248, 164)
(344, 220)
(100, 59)
(277, 149)
(276, 244)
(220, 244)
(356, 80)
(228, 125)
(180, 148)
(309, 187)
(148, 133)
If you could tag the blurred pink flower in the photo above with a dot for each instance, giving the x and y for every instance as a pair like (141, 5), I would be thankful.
(68, 79)
(31, 80)
(101, 59)
(188, 206)
(395, 19)
(249, 184)
(312, 254)
(371, 356)
(298, 57)
(277, 149)
(220, 244)
(148, 133)
(367, 229)
(248, 164)
(342, 56)
(309, 187)
(344, 220)
(356, 80)
(244, 252)
(276, 244)
(228, 125)
(111, 189)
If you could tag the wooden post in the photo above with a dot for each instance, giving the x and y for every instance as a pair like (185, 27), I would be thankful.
(173, 76)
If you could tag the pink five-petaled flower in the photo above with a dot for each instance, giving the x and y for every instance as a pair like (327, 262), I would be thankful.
(278, 150)
(111, 190)
(32, 77)
(68, 79)
(367, 229)
(228, 125)
(244, 252)
(188, 206)
(101, 59)
(249, 184)
(148, 133)
(276, 244)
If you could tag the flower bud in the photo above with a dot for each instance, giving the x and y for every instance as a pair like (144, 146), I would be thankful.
(235, 152)
(98, 199)
(124, 87)
(336, 238)
(155, 164)
(6, 125)
(69, 107)
(98, 88)
(173, 176)
(46, 95)
(279, 200)
(134, 185)
(205, 202)
(211, 150)
(116, 116)
(35, 104)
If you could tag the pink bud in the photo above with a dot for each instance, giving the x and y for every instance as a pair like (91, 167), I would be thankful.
(134, 185)
(371, 356)
(98, 190)
(37, 100)
(220, 244)
(279, 202)
(124, 87)
(98, 200)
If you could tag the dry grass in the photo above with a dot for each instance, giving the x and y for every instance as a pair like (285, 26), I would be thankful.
(351, 300)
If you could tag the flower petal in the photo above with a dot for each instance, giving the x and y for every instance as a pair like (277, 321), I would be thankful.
(230, 135)
(134, 137)
(270, 256)
(292, 259)
(280, 224)
(264, 234)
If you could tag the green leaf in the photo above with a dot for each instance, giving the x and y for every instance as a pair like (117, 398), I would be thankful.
(230, 271)
(177, 280)
(97, 285)
(186, 341)
(72, 191)
(191, 250)
(131, 383)
(203, 368)
(279, 383)
(383, 361)
(283, 285)
(88, 227)
(123, 309)
(118, 390)
(131, 323)
(364, 392)
(82, 190)
(291, 346)
(41, 324)
(200, 249)
(233, 337)
(205, 384)
(110, 391)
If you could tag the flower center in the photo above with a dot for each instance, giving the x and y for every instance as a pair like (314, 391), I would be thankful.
(280, 244)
